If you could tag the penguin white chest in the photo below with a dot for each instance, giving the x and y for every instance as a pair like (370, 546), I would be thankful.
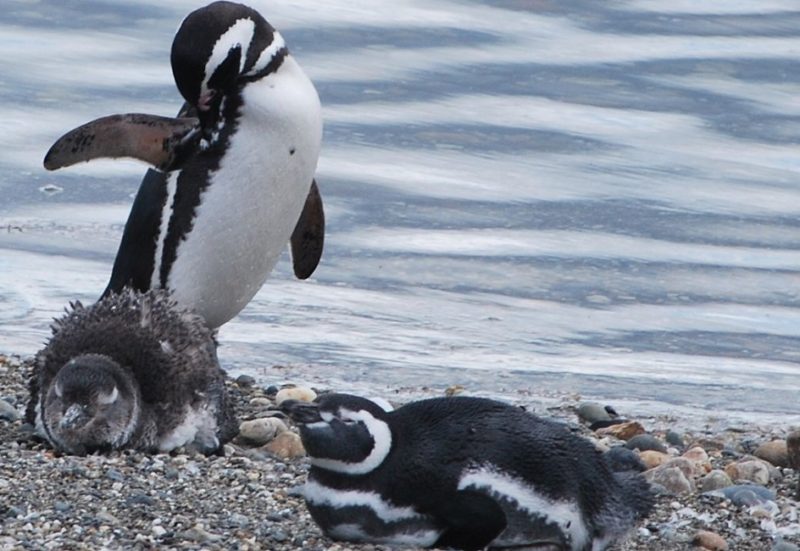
(253, 201)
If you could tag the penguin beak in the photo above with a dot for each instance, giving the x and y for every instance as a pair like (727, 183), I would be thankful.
(208, 111)
(204, 101)
(301, 413)
(74, 417)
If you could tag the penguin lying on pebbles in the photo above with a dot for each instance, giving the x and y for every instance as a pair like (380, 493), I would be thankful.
(234, 179)
(460, 472)
(131, 371)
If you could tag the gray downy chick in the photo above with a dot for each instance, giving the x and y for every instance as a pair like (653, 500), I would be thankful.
(130, 371)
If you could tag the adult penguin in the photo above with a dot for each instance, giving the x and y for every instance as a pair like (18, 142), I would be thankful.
(234, 172)
(460, 472)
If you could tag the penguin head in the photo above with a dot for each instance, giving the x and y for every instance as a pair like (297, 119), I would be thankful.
(219, 48)
(343, 433)
(91, 404)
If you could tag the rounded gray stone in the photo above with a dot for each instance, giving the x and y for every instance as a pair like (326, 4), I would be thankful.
(8, 412)
(592, 412)
(745, 495)
(715, 480)
(645, 442)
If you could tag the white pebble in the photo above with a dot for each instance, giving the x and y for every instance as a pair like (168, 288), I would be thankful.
(301, 393)
(262, 430)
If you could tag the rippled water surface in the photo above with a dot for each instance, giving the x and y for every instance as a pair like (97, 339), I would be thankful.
(563, 195)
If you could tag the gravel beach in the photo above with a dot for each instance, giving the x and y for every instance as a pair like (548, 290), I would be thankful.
(246, 498)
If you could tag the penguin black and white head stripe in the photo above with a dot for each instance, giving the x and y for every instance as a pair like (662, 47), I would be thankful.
(234, 179)
(460, 472)
(345, 433)
(131, 371)
(218, 48)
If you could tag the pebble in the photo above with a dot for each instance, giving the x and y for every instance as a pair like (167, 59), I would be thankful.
(239, 520)
(8, 412)
(645, 442)
(708, 444)
(674, 439)
(776, 452)
(671, 478)
(653, 459)
(746, 495)
(696, 454)
(199, 534)
(286, 445)
(260, 401)
(709, 540)
(621, 459)
(607, 423)
(245, 381)
(278, 535)
(686, 467)
(115, 475)
(592, 412)
(106, 517)
(304, 394)
(753, 470)
(623, 431)
(785, 546)
(139, 498)
(699, 458)
(715, 480)
(258, 432)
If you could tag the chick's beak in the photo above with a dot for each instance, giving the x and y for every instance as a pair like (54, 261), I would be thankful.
(74, 417)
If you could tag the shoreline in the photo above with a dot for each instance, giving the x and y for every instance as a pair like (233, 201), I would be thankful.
(247, 498)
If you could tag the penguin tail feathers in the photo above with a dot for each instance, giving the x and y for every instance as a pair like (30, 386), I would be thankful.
(631, 502)
(636, 493)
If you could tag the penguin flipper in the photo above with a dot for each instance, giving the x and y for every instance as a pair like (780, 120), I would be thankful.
(160, 141)
(308, 236)
(473, 521)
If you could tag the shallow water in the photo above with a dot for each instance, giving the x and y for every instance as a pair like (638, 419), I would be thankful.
(558, 196)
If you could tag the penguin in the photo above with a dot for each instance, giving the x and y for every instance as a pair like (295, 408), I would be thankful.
(460, 472)
(233, 174)
(133, 370)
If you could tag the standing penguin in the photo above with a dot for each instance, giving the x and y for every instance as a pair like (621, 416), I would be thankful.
(234, 172)
(460, 472)
(131, 371)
